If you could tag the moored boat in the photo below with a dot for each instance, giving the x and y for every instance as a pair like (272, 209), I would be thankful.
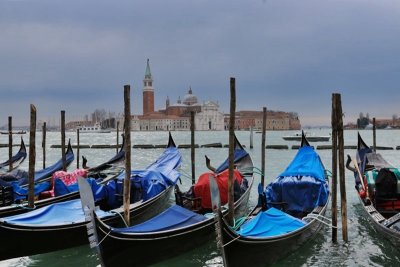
(288, 214)
(377, 184)
(96, 128)
(107, 170)
(310, 137)
(62, 225)
(16, 160)
(180, 228)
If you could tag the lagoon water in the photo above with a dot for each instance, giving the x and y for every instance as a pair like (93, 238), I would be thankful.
(365, 247)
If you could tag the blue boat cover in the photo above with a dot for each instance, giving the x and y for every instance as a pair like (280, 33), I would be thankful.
(306, 163)
(68, 212)
(145, 184)
(20, 177)
(302, 185)
(172, 218)
(238, 154)
(167, 163)
(269, 223)
(21, 193)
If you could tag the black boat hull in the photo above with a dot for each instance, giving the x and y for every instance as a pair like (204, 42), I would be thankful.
(392, 235)
(145, 249)
(265, 251)
(27, 240)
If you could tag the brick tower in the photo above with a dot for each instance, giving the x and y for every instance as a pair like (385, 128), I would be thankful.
(148, 92)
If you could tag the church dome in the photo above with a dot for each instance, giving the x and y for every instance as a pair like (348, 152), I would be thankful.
(190, 98)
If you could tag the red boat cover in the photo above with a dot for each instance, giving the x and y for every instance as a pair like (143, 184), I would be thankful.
(202, 187)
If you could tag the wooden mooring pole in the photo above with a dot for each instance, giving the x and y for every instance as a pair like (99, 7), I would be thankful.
(32, 158)
(231, 210)
(64, 158)
(127, 124)
(374, 133)
(77, 149)
(251, 138)
(343, 197)
(264, 124)
(334, 170)
(338, 150)
(192, 147)
(44, 144)
(117, 136)
(10, 143)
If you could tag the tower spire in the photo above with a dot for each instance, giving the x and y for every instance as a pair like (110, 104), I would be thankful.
(148, 72)
(148, 91)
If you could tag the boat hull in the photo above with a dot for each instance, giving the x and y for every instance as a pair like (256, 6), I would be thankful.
(145, 249)
(265, 251)
(309, 138)
(392, 235)
(26, 240)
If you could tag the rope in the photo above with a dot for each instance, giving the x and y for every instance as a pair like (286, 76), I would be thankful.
(22, 206)
(98, 244)
(321, 219)
(236, 238)
(122, 218)
(237, 223)
(328, 173)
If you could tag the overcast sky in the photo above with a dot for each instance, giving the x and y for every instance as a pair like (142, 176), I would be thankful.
(285, 55)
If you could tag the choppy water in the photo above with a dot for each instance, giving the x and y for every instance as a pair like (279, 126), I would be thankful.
(365, 247)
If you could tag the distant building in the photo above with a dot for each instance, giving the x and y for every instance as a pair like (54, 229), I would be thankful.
(176, 116)
(276, 120)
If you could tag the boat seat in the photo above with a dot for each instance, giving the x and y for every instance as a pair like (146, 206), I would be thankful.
(378, 217)
(317, 209)
(392, 220)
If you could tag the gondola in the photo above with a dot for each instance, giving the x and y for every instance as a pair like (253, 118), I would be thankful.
(176, 230)
(16, 160)
(61, 225)
(107, 170)
(289, 212)
(14, 184)
(378, 190)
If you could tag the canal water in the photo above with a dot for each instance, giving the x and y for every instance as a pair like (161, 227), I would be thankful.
(365, 247)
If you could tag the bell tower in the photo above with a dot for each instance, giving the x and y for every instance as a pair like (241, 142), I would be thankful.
(148, 92)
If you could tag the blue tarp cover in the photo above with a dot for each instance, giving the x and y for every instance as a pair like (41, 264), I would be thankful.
(145, 184)
(306, 163)
(301, 194)
(302, 185)
(272, 222)
(238, 155)
(172, 218)
(167, 163)
(68, 212)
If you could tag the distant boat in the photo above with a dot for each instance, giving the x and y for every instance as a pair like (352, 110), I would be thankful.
(96, 128)
(310, 137)
(19, 132)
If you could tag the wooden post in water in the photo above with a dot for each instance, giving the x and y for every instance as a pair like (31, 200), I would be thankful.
(44, 144)
(343, 198)
(251, 137)
(64, 159)
(192, 150)
(264, 126)
(231, 200)
(77, 149)
(117, 136)
(32, 158)
(334, 169)
(127, 180)
(10, 142)
(374, 133)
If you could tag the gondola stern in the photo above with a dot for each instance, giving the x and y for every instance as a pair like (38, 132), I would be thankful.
(88, 207)
(171, 142)
(304, 141)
